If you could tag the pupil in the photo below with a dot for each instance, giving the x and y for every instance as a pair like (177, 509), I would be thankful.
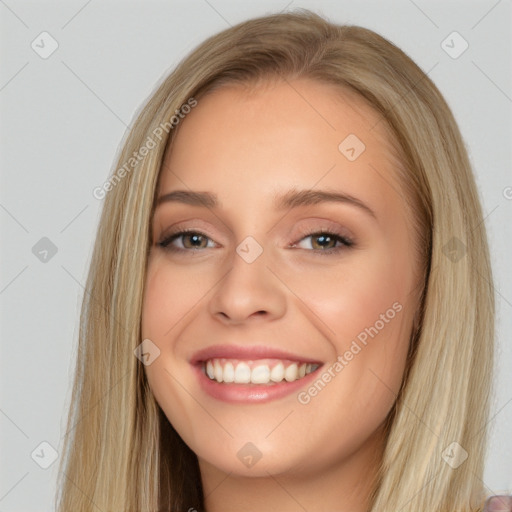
(323, 240)
(195, 240)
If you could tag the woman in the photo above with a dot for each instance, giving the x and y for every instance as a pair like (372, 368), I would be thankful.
(289, 304)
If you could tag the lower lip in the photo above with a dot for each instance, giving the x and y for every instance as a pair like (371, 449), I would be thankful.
(250, 393)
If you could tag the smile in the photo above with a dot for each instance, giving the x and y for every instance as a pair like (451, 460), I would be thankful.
(251, 374)
(260, 371)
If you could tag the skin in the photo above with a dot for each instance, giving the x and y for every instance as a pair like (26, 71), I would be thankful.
(247, 145)
(499, 504)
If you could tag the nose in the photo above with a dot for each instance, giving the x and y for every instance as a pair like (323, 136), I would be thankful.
(248, 292)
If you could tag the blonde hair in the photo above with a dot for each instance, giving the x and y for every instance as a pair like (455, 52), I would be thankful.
(120, 452)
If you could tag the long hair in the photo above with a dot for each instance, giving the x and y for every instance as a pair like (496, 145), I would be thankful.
(121, 453)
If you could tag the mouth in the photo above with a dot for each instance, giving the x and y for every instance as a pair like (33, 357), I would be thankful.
(266, 372)
(251, 374)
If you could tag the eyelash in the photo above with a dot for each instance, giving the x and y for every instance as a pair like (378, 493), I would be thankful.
(346, 242)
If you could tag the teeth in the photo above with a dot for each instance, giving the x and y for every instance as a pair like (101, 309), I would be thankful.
(260, 374)
(217, 371)
(263, 372)
(209, 369)
(291, 373)
(229, 372)
(277, 373)
(242, 373)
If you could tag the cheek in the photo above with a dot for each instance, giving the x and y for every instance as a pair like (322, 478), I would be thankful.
(353, 294)
(169, 296)
(169, 300)
(366, 314)
(366, 308)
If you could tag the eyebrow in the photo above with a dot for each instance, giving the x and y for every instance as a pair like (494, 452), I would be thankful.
(291, 199)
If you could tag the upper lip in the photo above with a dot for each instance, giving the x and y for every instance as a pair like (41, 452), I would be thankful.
(244, 352)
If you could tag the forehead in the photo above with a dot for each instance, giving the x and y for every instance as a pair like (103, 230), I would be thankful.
(254, 141)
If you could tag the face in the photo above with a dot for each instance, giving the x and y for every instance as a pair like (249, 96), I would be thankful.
(282, 280)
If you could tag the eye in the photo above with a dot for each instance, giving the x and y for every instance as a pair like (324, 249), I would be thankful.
(186, 240)
(323, 241)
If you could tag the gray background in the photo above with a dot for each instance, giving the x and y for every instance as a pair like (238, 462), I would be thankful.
(62, 119)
